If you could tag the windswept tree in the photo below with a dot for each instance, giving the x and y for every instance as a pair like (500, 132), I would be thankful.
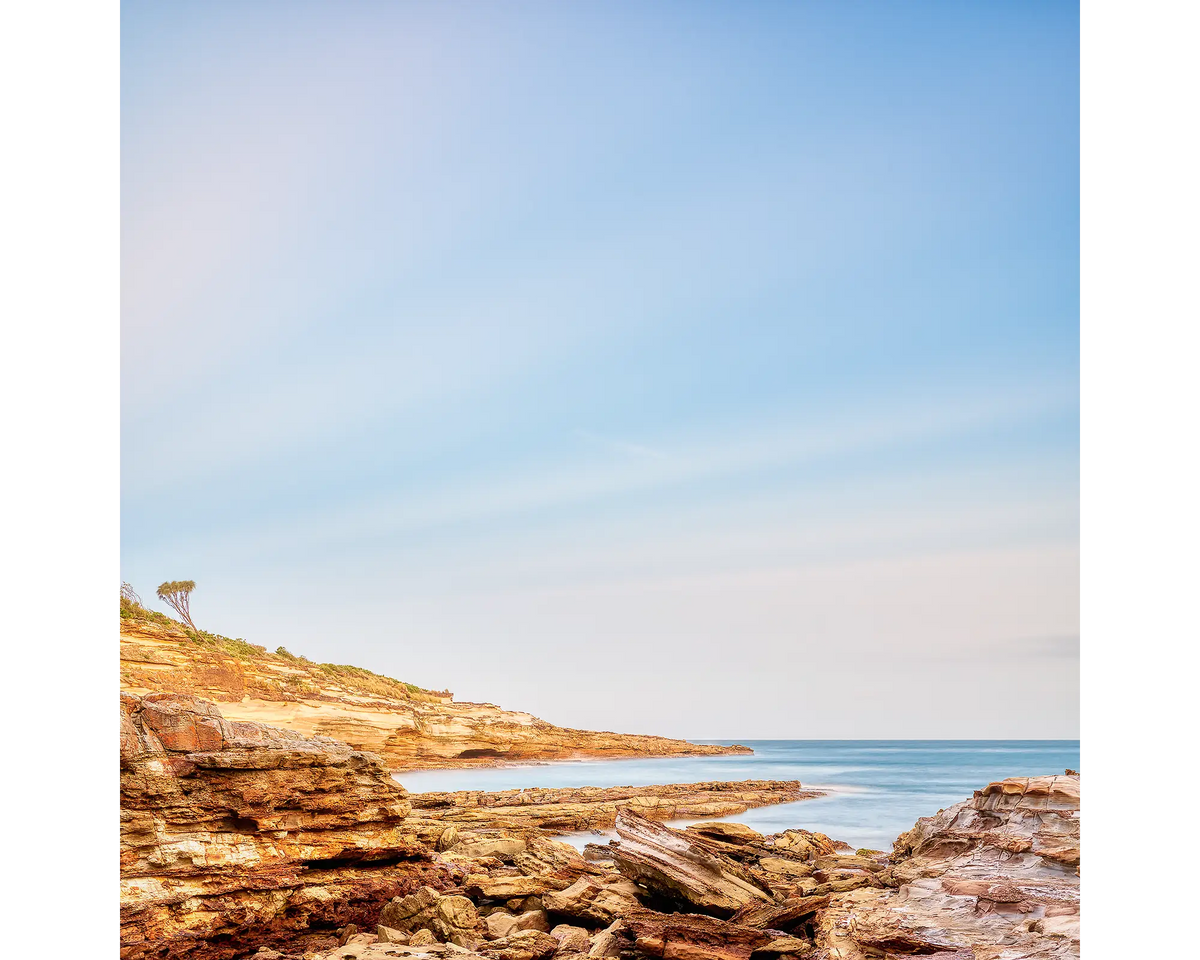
(176, 593)
(129, 594)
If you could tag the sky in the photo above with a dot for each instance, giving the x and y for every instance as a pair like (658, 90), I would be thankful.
(700, 369)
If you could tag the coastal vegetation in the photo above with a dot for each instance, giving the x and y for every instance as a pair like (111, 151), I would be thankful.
(177, 594)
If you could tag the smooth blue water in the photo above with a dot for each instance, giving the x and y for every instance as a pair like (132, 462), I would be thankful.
(878, 788)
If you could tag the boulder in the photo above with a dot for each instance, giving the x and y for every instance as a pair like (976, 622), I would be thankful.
(452, 918)
(571, 939)
(447, 839)
(533, 920)
(522, 945)
(389, 935)
(668, 862)
(607, 943)
(499, 925)
(595, 900)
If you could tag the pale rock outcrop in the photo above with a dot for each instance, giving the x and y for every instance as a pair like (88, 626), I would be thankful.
(571, 939)
(993, 878)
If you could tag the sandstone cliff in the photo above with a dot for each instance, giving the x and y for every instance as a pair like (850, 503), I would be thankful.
(408, 727)
(235, 834)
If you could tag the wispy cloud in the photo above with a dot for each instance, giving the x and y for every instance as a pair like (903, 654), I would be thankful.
(569, 329)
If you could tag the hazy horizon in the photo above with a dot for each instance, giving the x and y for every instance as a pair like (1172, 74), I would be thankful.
(702, 370)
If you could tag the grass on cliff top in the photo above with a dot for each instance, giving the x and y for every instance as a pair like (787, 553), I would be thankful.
(355, 679)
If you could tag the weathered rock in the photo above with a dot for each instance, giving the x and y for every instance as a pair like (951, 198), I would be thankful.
(560, 810)
(571, 939)
(992, 878)
(688, 935)
(543, 855)
(806, 845)
(533, 920)
(595, 900)
(499, 924)
(481, 885)
(785, 868)
(670, 863)
(594, 853)
(409, 728)
(502, 848)
(736, 833)
(780, 916)
(422, 938)
(451, 918)
(521, 945)
(388, 935)
(235, 835)
(607, 943)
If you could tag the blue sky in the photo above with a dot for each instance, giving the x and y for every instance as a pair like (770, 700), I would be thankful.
(616, 362)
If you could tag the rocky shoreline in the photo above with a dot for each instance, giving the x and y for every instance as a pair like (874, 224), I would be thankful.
(240, 839)
(554, 811)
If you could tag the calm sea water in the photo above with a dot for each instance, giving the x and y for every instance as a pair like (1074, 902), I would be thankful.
(877, 788)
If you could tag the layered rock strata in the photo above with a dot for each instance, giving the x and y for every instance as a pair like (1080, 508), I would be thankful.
(993, 878)
(234, 834)
(561, 810)
(408, 727)
(239, 838)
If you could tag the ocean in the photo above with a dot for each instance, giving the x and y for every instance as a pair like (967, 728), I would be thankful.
(877, 788)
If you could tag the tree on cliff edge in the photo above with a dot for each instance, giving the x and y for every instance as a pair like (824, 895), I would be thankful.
(176, 592)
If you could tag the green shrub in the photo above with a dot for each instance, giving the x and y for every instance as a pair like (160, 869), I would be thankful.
(132, 610)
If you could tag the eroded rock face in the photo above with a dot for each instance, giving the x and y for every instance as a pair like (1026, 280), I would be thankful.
(409, 731)
(993, 878)
(235, 835)
(672, 864)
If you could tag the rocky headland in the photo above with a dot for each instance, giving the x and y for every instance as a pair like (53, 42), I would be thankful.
(408, 727)
(239, 839)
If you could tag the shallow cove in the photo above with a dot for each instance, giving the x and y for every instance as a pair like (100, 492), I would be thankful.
(877, 788)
